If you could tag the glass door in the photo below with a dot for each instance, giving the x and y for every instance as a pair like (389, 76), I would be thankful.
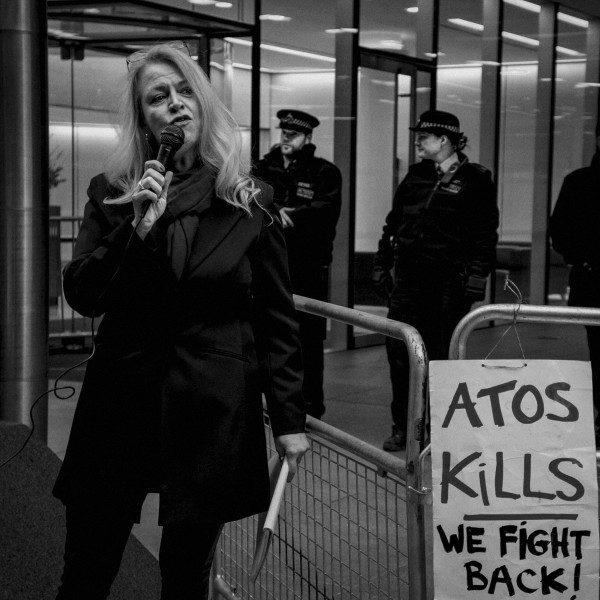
(390, 96)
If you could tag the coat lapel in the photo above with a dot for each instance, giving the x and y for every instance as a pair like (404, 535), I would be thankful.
(196, 218)
(213, 226)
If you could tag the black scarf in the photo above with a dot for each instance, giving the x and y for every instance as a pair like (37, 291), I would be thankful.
(190, 194)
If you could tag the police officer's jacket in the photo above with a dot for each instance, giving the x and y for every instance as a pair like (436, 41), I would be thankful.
(446, 225)
(312, 187)
(574, 231)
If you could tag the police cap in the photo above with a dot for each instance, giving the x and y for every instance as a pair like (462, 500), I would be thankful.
(439, 123)
(297, 120)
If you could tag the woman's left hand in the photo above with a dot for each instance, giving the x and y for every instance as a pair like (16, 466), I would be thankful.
(292, 446)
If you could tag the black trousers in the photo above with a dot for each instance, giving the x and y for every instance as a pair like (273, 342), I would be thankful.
(311, 280)
(313, 363)
(433, 306)
(94, 546)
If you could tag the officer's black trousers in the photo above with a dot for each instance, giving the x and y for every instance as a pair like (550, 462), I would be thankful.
(433, 306)
(313, 362)
(95, 543)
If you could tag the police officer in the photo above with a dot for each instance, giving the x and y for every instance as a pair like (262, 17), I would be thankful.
(440, 238)
(307, 193)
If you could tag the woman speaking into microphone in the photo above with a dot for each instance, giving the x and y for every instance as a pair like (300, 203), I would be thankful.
(186, 263)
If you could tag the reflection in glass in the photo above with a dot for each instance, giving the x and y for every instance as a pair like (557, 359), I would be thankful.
(519, 75)
(83, 102)
(235, 10)
(231, 76)
(298, 71)
(459, 66)
(389, 25)
(572, 124)
(377, 172)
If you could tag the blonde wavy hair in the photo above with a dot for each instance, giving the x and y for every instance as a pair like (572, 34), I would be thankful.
(219, 146)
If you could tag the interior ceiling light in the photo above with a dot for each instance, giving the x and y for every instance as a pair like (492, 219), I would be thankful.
(515, 37)
(536, 8)
(491, 63)
(466, 24)
(282, 50)
(245, 67)
(342, 30)
(573, 20)
(505, 34)
(568, 51)
(66, 35)
(297, 53)
(395, 44)
(274, 18)
(203, 2)
(223, 4)
(383, 82)
(530, 6)
(412, 9)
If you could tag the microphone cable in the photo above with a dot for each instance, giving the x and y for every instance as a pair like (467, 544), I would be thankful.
(70, 388)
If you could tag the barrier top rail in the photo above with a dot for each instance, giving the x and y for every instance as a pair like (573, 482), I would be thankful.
(570, 315)
(417, 391)
(416, 353)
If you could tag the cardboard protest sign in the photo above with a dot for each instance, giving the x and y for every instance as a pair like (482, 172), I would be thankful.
(515, 507)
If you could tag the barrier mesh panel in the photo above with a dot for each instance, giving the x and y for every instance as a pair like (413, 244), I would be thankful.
(341, 534)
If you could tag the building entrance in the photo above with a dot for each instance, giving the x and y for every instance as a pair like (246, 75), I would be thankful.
(391, 95)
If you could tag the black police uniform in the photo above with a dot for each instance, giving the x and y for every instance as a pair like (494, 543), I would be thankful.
(440, 237)
(312, 187)
(574, 228)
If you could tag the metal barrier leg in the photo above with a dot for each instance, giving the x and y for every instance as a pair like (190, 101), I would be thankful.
(219, 587)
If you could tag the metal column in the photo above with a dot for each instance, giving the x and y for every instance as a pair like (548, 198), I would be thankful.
(544, 137)
(23, 212)
(344, 156)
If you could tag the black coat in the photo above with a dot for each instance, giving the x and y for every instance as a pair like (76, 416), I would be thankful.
(438, 233)
(312, 186)
(574, 229)
(451, 227)
(198, 322)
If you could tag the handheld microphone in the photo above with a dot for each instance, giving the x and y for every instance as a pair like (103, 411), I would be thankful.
(171, 139)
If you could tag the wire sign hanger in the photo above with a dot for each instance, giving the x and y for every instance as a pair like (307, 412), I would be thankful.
(512, 287)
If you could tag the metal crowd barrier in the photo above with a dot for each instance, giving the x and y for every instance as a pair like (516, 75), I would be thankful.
(566, 315)
(352, 523)
(569, 315)
(65, 324)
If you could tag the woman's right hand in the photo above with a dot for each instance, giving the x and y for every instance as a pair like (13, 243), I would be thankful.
(150, 201)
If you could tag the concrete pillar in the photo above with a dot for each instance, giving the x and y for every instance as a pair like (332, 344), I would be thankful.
(23, 212)
(344, 156)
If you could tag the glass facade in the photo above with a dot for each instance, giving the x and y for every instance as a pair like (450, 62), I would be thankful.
(389, 25)
(517, 135)
(574, 122)
(459, 66)
(400, 58)
(298, 77)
